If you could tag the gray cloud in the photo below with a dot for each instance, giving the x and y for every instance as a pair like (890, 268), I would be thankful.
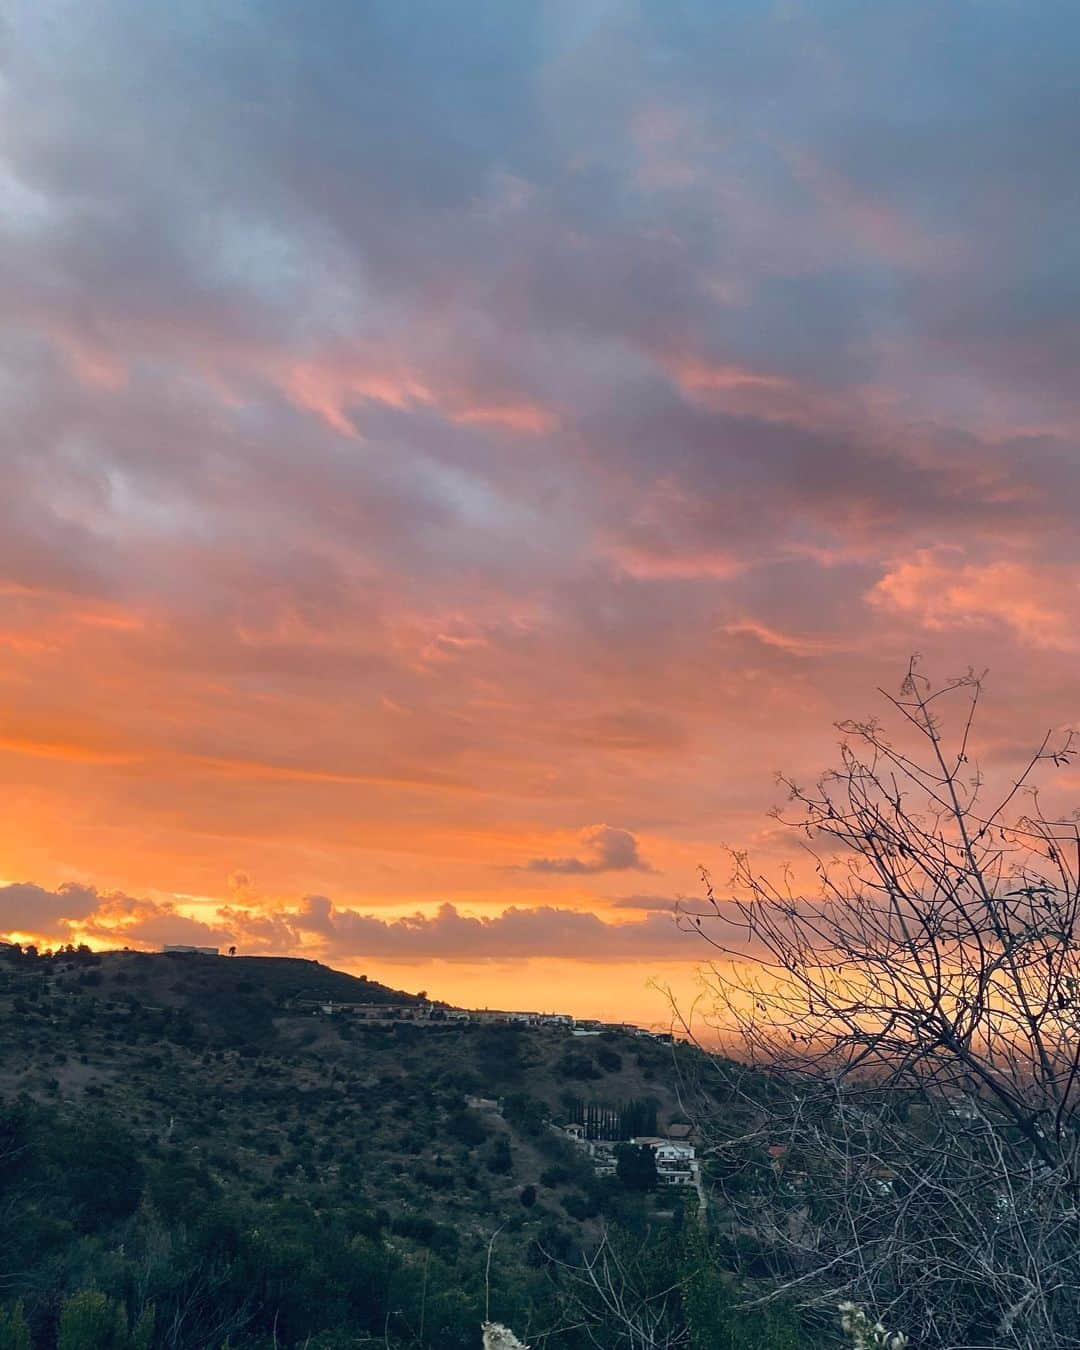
(345, 934)
(607, 849)
(653, 904)
(515, 934)
(25, 907)
(110, 916)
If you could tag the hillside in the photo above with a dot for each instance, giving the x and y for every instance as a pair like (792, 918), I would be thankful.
(200, 1049)
(228, 1088)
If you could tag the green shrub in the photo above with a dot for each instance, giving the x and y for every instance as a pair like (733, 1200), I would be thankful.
(14, 1332)
(499, 1159)
(90, 1320)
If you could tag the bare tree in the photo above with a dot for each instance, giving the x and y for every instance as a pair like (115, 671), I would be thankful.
(615, 1297)
(917, 1013)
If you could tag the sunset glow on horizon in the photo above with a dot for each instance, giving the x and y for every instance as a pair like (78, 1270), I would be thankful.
(455, 455)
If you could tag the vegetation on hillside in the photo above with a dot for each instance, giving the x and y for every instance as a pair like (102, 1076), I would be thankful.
(188, 1162)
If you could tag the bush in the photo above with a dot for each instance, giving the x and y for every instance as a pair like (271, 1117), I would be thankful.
(14, 1333)
(467, 1128)
(715, 1316)
(574, 1064)
(499, 1158)
(580, 1206)
(526, 1112)
(609, 1060)
(102, 1171)
(91, 1320)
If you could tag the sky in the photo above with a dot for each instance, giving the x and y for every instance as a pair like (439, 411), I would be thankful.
(454, 455)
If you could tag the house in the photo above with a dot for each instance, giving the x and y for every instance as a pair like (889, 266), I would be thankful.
(519, 1016)
(882, 1180)
(491, 1104)
(680, 1131)
(601, 1151)
(370, 1012)
(778, 1155)
(676, 1160)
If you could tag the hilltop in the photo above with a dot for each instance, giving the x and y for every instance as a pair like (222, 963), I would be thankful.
(204, 984)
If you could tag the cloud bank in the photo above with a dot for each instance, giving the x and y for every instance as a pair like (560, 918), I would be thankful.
(317, 926)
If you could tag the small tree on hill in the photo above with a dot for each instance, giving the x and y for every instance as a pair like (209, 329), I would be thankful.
(635, 1166)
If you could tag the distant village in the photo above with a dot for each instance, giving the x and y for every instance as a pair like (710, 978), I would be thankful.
(425, 1011)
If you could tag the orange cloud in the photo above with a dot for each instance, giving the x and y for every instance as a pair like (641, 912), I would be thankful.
(73, 752)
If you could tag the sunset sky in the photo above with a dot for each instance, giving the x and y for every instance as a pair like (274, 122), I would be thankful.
(456, 453)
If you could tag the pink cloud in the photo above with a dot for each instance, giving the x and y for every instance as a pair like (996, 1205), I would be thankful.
(325, 387)
(526, 417)
(942, 591)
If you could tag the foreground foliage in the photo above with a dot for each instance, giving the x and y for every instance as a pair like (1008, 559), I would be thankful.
(110, 1244)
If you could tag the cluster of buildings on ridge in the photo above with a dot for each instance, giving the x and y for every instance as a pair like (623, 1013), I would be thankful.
(424, 1012)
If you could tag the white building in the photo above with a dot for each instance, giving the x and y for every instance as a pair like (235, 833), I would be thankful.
(676, 1161)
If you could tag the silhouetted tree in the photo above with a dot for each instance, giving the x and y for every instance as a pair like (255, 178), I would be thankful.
(919, 1012)
(635, 1166)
